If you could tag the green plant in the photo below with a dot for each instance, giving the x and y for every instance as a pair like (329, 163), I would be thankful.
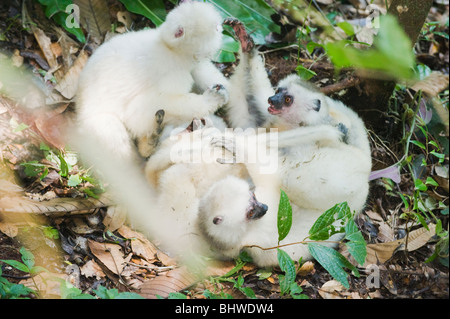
(10, 290)
(390, 55)
(61, 12)
(27, 265)
(336, 220)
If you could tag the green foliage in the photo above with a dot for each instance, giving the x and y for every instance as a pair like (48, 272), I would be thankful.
(10, 290)
(390, 55)
(284, 219)
(154, 10)
(64, 161)
(27, 264)
(335, 220)
(325, 226)
(287, 281)
(58, 11)
(419, 207)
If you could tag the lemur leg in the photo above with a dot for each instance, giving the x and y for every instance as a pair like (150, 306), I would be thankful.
(147, 145)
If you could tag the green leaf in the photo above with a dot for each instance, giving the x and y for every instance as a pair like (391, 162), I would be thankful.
(56, 10)
(287, 265)
(419, 185)
(417, 143)
(63, 165)
(431, 181)
(284, 219)
(332, 261)
(27, 257)
(33, 168)
(176, 295)
(17, 264)
(346, 27)
(356, 244)
(154, 10)
(305, 73)
(227, 51)
(296, 291)
(254, 14)
(390, 54)
(74, 180)
(323, 228)
(51, 232)
(37, 269)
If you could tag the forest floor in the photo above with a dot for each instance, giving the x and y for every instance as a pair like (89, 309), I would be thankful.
(75, 244)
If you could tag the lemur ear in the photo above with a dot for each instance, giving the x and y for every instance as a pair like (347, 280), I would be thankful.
(179, 33)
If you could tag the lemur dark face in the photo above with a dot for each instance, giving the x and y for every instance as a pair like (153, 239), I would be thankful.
(280, 100)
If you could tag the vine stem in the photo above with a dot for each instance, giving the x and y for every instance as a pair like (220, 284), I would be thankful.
(295, 243)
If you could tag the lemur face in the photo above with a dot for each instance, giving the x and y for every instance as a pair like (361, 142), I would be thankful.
(280, 101)
(297, 105)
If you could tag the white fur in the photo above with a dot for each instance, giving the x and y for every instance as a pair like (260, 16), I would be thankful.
(135, 74)
(229, 200)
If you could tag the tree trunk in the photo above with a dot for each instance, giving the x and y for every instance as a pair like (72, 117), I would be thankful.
(371, 98)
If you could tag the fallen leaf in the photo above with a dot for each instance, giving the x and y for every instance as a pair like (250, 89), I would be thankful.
(432, 84)
(140, 245)
(115, 218)
(330, 289)
(46, 47)
(95, 17)
(92, 269)
(382, 252)
(420, 237)
(306, 269)
(109, 255)
(68, 85)
(173, 281)
(9, 229)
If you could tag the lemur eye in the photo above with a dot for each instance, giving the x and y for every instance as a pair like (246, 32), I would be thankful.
(217, 220)
(288, 99)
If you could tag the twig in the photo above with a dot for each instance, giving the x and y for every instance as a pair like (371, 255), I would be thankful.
(154, 268)
(344, 84)
(290, 244)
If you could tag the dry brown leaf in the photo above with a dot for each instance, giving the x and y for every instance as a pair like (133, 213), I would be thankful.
(140, 245)
(92, 269)
(174, 281)
(432, 84)
(306, 269)
(46, 47)
(382, 252)
(330, 289)
(67, 86)
(385, 232)
(165, 259)
(419, 237)
(9, 229)
(109, 255)
(94, 16)
(54, 207)
(115, 217)
(374, 216)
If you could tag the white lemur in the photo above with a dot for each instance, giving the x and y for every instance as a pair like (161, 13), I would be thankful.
(132, 76)
(230, 226)
(317, 167)
(299, 103)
